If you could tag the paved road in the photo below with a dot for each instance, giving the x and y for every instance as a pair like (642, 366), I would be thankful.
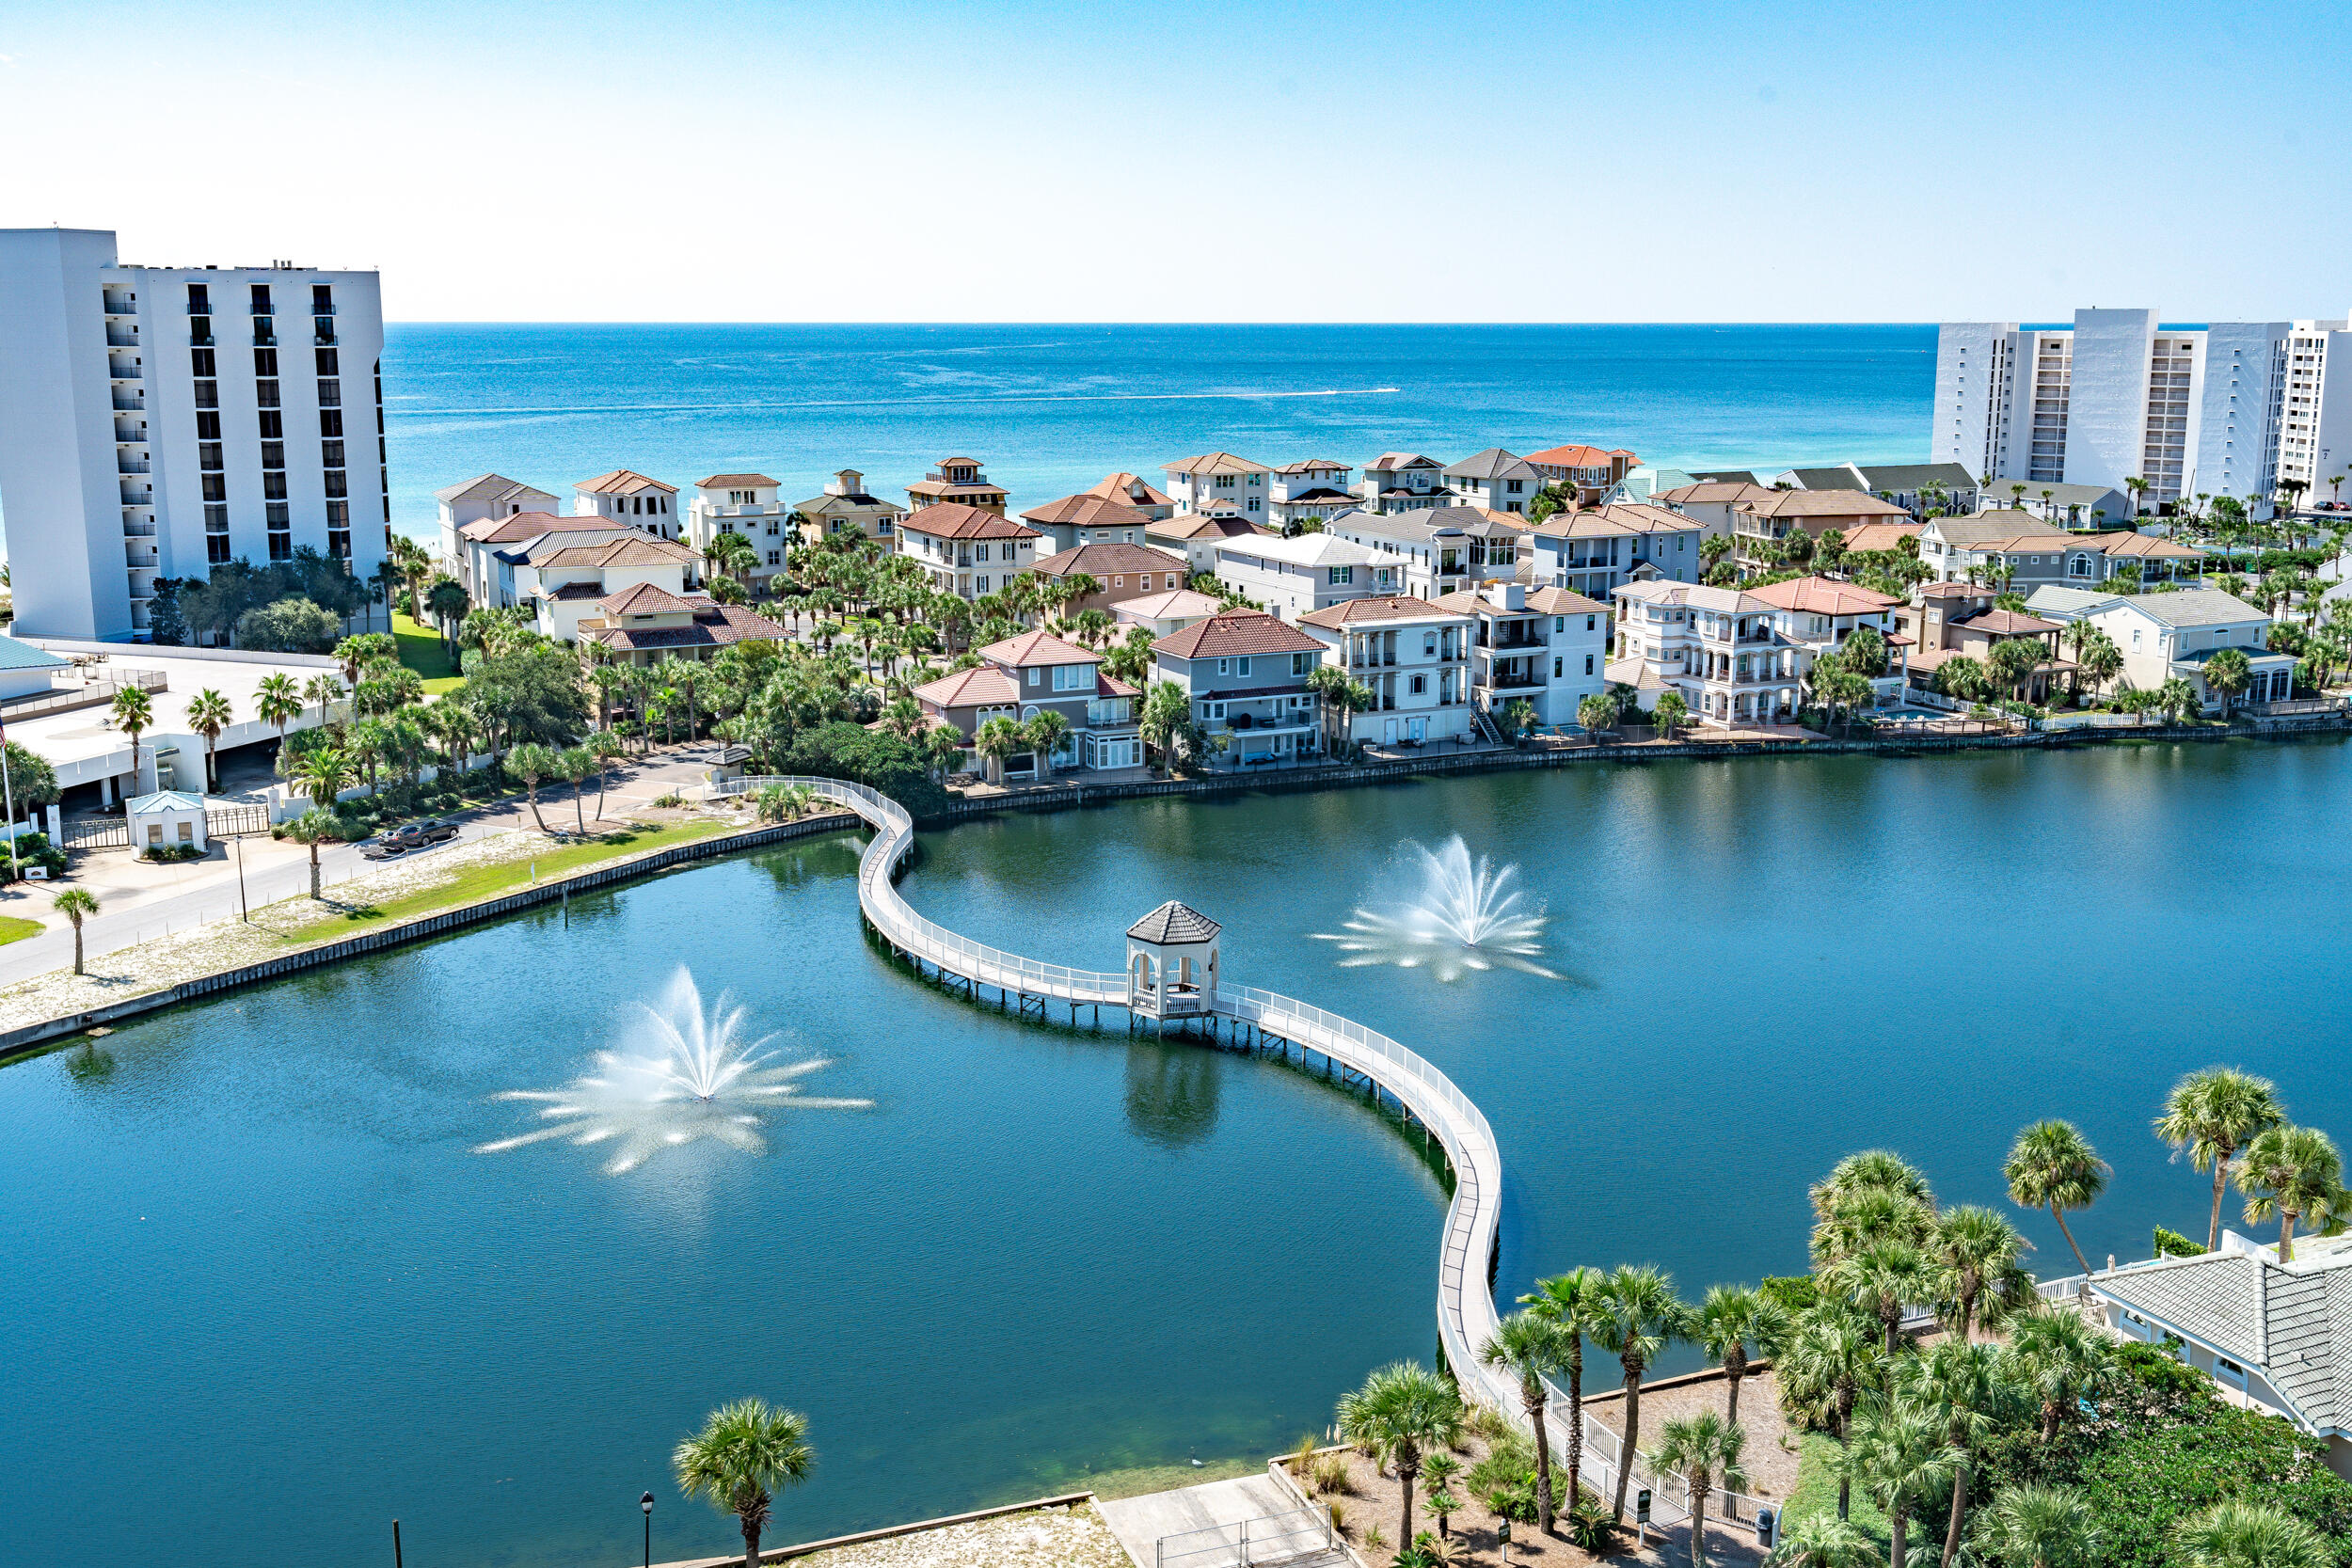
(207, 892)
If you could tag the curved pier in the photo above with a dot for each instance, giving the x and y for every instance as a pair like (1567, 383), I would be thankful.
(1466, 1306)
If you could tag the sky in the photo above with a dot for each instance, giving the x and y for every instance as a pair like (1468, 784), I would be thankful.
(1205, 160)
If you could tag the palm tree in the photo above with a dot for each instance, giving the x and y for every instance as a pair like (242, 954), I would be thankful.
(532, 763)
(76, 903)
(1531, 1347)
(1833, 1353)
(604, 746)
(2293, 1172)
(1974, 1256)
(208, 715)
(1726, 1321)
(2227, 673)
(322, 772)
(1822, 1540)
(997, 739)
(1166, 722)
(1865, 1217)
(744, 1454)
(1571, 1302)
(1045, 735)
(2211, 1115)
(1700, 1448)
(1671, 714)
(2237, 1534)
(324, 689)
(133, 714)
(311, 829)
(278, 703)
(2040, 1526)
(1880, 1279)
(2053, 1167)
(1402, 1411)
(1901, 1460)
(1638, 1316)
(1960, 1388)
(572, 766)
(448, 603)
(1870, 1167)
(2059, 1358)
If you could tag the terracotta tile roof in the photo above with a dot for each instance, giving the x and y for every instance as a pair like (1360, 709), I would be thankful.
(959, 462)
(572, 590)
(1821, 503)
(622, 481)
(1821, 596)
(955, 520)
(1539, 601)
(1235, 631)
(1870, 537)
(1112, 557)
(715, 626)
(1193, 526)
(1389, 462)
(1088, 512)
(2142, 546)
(1588, 525)
(736, 482)
(2008, 622)
(1575, 456)
(1391, 608)
(1714, 491)
(643, 598)
(1313, 465)
(1216, 463)
(1122, 484)
(1181, 603)
(531, 525)
(982, 686)
(636, 550)
(1037, 647)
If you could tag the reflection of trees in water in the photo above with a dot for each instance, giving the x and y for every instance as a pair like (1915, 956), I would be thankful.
(791, 865)
(1172, 1092)
(89, 1064)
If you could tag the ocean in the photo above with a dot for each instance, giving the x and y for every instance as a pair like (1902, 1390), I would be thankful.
(1051, 409)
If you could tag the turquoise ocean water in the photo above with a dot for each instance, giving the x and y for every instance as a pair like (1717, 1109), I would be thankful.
(1053, 408)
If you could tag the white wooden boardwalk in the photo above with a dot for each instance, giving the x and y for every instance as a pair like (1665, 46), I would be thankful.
(1466, 1306)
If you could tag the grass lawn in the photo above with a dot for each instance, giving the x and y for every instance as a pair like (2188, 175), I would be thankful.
(422, 650)
(1817, 1493)
(14, 928)
(479, 882)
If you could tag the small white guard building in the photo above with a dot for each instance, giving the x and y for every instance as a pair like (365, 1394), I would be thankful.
(167, 819)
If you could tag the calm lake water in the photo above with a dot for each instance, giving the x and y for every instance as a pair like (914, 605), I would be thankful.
(256, 1263)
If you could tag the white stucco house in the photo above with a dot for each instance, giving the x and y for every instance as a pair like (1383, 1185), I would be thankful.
(2165, 635)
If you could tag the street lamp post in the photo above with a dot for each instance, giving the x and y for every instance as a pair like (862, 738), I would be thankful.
(646, 1502)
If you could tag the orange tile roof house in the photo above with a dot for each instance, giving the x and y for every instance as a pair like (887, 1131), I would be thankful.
(1121, 571)
(1032, 674)
(1087, 520)
(1592, 471)
(1131, 490)
(1197, 535)
(1814, 615)
(967, 550)
(1245, 674)
(491, 548)
(958, 480)
(1758, 525)
(631, 498)
(1163, 613)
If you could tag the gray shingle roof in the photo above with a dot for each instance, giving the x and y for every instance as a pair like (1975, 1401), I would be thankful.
(2195, 606)
(1174, 922)
(2211, 1297)
(2295, 1324)
(1900, 477)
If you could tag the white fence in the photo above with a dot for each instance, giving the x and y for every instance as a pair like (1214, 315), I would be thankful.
(1302, 1533)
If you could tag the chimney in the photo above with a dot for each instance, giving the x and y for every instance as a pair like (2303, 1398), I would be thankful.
(1507, 595)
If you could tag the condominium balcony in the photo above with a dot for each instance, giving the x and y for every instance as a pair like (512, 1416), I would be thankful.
(200, 306)
(126, 464)
(130, 400)
(322, 339)
(264, 335)
(122, 337)
(130, 434)
(136, 530)
(200, 339)
(119, 304)
(261, 307)
(325, 309)
(137, 494)
(140, 555)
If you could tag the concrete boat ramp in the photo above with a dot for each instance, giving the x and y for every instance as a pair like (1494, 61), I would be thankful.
(1247, 1522)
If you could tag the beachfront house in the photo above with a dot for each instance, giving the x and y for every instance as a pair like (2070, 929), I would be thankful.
(1121, 572)
(2024, 553)
(485, 498)
(743, 504)
(490, 548)
(646, 625)
(561, 583)
(1438, 548)
(1218, 481)
(2164, 636)
(1494, 478)
(1032, 674)
(1591, 473)
(2276, 1336)
(630, 500)
(1710, 502)
(1245, 674)
(1163, 615)
(957, 482)
(1402, 481)
(1960, 619)
(1584, 552)
(846, 506)
(1544, 646)
(1716, 646)
(967, 550)
(1316, 488)
(1292, 578)
(1415, 658)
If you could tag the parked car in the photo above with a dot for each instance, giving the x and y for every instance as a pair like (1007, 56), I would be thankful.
(409, 835)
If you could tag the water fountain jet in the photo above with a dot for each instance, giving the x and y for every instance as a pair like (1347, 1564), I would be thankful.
(1465, 915)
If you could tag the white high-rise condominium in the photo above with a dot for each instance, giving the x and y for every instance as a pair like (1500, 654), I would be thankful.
(157, 421)
(2212, 408)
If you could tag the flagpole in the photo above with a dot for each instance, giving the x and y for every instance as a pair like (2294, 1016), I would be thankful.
(8, 797)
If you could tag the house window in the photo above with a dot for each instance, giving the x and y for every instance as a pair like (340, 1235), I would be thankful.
(1588, 623)
(1299, 666)
(1428, 645)
(1555, 668)
(983, 583)
(1342, 576)
(979, 552)
(1588, 664)
(2229, 1373)
(1241, 666)
(1224, 665)
(1035, 675)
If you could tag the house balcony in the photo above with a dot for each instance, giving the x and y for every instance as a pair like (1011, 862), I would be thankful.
(1515, 680)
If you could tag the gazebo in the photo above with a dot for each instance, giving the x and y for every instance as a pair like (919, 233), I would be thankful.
(1171, 963)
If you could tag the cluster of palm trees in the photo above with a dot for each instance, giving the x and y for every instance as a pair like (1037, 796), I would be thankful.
(2233, 1124)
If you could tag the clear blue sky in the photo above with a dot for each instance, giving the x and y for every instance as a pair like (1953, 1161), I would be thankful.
(936, 160)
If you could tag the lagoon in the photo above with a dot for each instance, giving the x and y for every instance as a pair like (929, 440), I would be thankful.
(253, 1253)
